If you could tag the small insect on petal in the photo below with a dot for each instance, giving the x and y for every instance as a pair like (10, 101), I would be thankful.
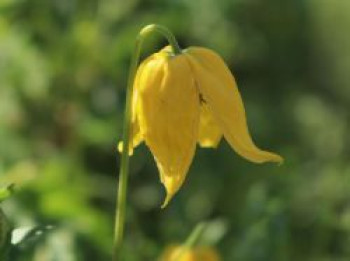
(220, 91)
(182, 99)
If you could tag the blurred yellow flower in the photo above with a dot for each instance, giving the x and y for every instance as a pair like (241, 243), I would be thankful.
(179, 100)
(178, 253)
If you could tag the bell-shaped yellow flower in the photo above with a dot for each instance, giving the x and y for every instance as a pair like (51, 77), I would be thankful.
(179, 100)
(177, 253)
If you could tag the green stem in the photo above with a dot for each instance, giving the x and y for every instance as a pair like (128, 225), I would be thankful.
(124, 165)
(165, 32)
(191, 241)
(196, 234)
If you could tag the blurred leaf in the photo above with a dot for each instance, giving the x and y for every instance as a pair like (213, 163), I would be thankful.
(6, 192)
(5, 236)
(29, 236)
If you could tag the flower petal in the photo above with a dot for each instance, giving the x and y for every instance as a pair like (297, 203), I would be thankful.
(219, 89)
(209, 134)
(136, 137)
(168, 111)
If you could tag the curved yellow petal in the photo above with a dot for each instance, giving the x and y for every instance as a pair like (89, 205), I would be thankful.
(219, 89)
(136, 136)
(209, 134)
(168, 113)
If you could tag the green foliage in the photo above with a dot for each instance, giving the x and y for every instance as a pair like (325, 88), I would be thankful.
(6, 192)
(63, 71)
(4, 236)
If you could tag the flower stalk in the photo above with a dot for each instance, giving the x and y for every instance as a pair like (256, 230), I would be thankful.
(192, 240)
(196, 234)
(124, 165)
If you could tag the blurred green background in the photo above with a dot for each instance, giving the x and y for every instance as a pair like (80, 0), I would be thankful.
(63, 71)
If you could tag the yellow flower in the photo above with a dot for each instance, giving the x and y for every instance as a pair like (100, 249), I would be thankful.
(179, 100)
(178, 253)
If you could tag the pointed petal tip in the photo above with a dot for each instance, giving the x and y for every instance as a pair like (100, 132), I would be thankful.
(280, 160)
(121, 148)
(261, 156)
(170, 189)
(275, 158)
(166, 201)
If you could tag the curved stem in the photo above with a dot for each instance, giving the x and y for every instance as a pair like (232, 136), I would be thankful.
(124, 165)
(191, 241)
(165, 32)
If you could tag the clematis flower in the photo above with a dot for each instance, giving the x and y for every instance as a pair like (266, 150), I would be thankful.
(181, 100)
(177, 253)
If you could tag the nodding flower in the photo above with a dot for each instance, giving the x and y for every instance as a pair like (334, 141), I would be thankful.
(184, 99)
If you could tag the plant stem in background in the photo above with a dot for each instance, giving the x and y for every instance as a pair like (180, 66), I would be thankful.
(124, 165)
(195, 236)
(191, 241)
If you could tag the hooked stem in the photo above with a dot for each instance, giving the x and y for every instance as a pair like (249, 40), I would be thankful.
(124, 163)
